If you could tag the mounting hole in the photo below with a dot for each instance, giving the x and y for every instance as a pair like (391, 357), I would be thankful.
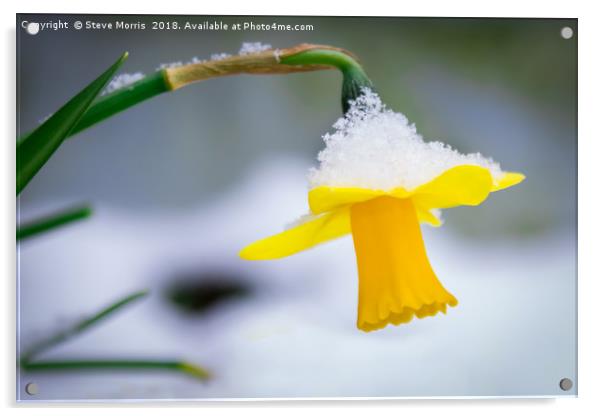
(32, 28)
(31, 389)
(566, 384)
(566, 32)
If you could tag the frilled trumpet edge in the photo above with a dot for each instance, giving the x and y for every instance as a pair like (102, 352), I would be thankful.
(396, 281)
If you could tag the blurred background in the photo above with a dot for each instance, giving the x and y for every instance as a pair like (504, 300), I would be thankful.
(182, 182)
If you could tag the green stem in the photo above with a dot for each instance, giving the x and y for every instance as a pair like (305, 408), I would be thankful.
(79, 327)
(122, 99)
(83, 365)
(331, 57)
(354, 76)
(53, 221)
(119, 100)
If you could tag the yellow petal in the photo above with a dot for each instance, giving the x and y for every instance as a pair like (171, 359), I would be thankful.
(427, 216)
(396, 281)
(324, 198)
(317, 230)
(461, 185)
(509, 179)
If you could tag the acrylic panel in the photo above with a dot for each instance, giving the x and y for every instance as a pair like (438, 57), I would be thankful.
(295, 207)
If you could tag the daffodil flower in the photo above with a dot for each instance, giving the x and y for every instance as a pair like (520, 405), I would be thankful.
(396, 280)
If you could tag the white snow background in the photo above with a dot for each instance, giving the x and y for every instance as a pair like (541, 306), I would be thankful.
(511, 334)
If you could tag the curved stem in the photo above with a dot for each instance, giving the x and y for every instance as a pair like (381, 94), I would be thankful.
(355, 78)
(270, 62)
(300, 58)
(322, 55)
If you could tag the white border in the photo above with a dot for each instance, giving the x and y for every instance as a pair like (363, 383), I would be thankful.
(590, 230)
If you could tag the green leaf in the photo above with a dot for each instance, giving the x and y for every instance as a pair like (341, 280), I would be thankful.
(53, 221)
(35, 150)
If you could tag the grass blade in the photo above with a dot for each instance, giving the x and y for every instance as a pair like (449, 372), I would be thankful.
(116, 365)
(80, 326)
(28, 364)
(53, 221)
(35, 150)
